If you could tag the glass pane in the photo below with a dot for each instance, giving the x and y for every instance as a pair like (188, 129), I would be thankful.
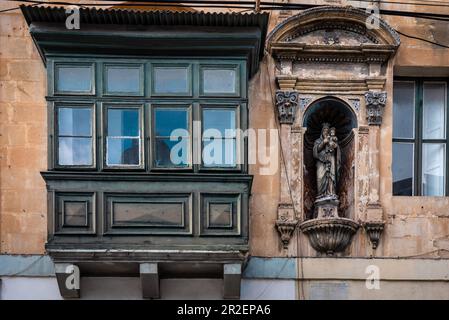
(123, 122)
(167, 120)
(402, 167)
(172, 153)
(122, 151)
(170, 80)
(75, 151)
(433, 170)
(434, 106)
(219, 119)
(73, 78)
(123, 79)
(75, 122)
(219, 80)
(403, 109)
(219, 152)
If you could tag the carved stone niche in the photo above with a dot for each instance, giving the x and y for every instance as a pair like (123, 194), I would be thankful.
(329, 223)
(328, 52)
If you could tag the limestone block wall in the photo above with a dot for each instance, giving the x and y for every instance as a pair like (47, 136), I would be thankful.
(23, 147)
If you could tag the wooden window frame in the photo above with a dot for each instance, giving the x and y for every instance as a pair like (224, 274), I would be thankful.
(118, 105)
(146, 99)
(418, 139)
(55, 130)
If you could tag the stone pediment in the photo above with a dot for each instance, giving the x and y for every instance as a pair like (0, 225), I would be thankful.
(335, 34)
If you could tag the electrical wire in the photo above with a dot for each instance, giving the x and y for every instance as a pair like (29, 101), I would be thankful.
(10, 9)
(251, 4)
(153, 4)
(422, 39)
(430, 4)
(419, 3)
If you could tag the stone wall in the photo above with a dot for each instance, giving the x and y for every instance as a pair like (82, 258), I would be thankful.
(23, 131)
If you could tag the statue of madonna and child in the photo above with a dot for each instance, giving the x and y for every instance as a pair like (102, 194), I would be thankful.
(326, 153)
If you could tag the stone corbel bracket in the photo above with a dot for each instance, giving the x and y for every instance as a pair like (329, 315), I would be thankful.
(375, 104)
(374, 231)
(286, 104)
(286, 228)
(286, 223)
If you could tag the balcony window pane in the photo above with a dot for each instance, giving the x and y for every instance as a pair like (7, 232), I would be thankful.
(403, 169)
(172, 153)
(221, 120)
(123, 151)
(167, 120)
(170, 80)
(172, 137)
(75, 151)
(74, 136)
(122, 79)
(404, 109)
(434, 110)
(123, 122)
(219, 138)
(433, 169)
(73, 78)
(219, 152)
(219, 80)
(123, 136)
(75, 122)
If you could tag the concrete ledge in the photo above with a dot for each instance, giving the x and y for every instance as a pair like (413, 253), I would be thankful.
(278, 268)
(389, 269)
(26, 266)
(270, 268)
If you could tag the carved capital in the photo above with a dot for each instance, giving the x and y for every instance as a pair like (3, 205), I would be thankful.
(286, 103)
(286, 228)
(375, 104)
(374, 230)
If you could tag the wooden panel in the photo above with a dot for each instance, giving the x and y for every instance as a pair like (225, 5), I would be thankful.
(220, 215)
(75, 213)
(135, 192)
(148, 213)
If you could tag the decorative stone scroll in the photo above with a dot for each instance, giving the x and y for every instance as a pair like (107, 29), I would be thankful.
(375, 104)
(303, 102)
(355, 104)
(286, 103)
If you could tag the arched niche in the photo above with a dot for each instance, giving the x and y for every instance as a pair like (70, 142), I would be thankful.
(340, 115)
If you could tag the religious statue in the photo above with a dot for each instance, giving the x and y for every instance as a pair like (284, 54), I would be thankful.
(326, 151)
